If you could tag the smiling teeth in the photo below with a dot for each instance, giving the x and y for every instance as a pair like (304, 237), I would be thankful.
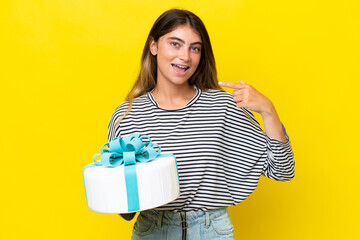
(181, 66)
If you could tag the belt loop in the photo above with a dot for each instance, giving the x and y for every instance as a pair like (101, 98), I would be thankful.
(160, 217)
(207, 219)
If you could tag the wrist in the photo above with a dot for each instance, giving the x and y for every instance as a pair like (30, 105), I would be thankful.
(269, 110)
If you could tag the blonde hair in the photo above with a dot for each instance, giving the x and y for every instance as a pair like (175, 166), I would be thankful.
(205, 76)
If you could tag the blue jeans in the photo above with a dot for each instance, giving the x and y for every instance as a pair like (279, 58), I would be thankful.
(212, 224)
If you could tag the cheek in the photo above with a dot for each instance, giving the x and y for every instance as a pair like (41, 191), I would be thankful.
(196, 59)
(164, 58)
(167, 52)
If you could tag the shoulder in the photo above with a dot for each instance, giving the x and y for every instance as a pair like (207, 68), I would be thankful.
(219, 100)
(114, 126)
(139, 102)
(223, 100)
(217, 95)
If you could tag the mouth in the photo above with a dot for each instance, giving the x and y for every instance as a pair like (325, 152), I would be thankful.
(180, 69)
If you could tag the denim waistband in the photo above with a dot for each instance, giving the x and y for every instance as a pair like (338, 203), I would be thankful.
(174, 218)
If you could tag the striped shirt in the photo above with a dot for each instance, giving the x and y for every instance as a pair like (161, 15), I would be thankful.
(221, 150)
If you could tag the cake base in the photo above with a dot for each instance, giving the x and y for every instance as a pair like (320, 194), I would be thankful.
(157, 180)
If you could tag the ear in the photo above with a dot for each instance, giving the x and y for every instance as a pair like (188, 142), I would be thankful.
(153, 47)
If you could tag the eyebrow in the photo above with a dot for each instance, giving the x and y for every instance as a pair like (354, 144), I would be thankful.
(180, 40)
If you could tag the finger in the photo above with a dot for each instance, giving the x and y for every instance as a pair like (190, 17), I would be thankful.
(243, 93)
(231, 85)
(241, 81)
(241, 98)
(238, 98)
(237, 92)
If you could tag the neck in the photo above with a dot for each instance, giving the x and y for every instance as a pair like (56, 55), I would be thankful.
(172, 96)
(172, 92)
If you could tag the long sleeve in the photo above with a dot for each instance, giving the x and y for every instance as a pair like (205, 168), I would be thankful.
(279, 164)
(114, 126)
(279, 158)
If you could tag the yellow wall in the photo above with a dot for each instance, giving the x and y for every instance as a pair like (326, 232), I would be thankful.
(66, 65)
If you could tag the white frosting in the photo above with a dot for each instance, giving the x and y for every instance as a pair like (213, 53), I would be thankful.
(158, 184)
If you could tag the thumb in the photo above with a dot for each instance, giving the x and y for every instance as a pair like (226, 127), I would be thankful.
(241, 81)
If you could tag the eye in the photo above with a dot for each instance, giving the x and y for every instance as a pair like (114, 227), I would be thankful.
(196, 49)
(175, 44)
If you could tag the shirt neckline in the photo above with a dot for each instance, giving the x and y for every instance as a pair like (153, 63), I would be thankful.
(191, 102)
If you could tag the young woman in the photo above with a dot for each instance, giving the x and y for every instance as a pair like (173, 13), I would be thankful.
(220, 148)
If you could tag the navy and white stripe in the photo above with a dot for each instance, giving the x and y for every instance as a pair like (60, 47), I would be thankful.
(221, 150)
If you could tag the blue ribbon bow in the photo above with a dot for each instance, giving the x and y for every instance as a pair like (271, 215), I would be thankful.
(127, 151)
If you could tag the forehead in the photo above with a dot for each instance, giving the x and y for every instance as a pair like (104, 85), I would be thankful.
(184, 32)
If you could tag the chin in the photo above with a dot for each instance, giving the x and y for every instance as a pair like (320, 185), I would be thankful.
(180, 82)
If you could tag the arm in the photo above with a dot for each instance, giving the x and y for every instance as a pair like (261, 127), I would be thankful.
(279, 164)
(272, 124)
(128, 216)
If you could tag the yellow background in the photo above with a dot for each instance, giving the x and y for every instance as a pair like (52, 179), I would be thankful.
(66, 65)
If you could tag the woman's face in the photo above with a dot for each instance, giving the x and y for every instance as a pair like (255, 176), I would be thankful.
(178, 55)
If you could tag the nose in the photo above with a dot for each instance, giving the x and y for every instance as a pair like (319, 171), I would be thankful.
(185, 55)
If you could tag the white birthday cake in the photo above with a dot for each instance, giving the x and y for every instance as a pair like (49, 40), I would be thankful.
(107, 190)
